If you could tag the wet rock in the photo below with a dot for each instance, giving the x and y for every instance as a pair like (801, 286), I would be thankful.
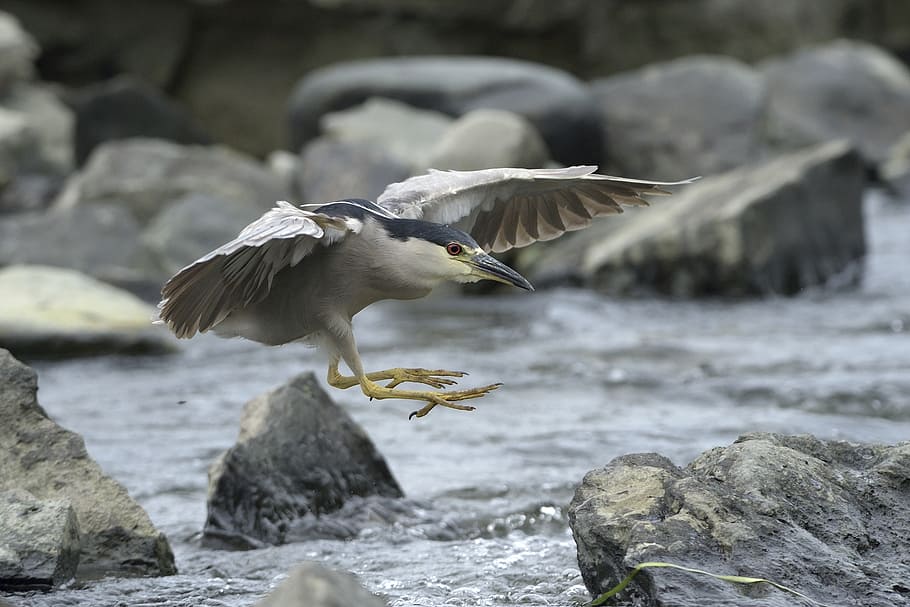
(194, 225)
(333, 170)
(845, 89)
(39, 542)
(693, 116)
(50, 462)
(18, 51)
(145, 175)
(298, 456)
(781, 226)
(99, 240)
(558, 105)
(824, 518)
(315, 586)
(483, 139)
(126, 107)
(48, 311)
(407, 133)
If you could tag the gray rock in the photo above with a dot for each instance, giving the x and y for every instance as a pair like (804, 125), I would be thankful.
(313, 585)
(788, 223)
(194, 225)
(845, 89)
(18, 51)
(407, 133)
(126, 107)
(48, 311)
(145, 175)
(50, 123)
(38, 456)
(18, 145)
(29, 192)
(99, 240)
(483, 139)
(39, 542)
(693, 116)
(558, 105)
(825, 518)
(333, 170)
(298, 457)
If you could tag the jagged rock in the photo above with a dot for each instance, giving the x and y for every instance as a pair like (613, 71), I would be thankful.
(781, 226)
(194, 225)
(99, 240)
(484, 139)
(692, 116)
(145, 175)
(313, 585)
(558, 105)
(126, 107)
(334, 170)
(50, 462)
(39, 542)
(845, 89)
(298, 457)
(825, 518)
(18, 51)
(48, 311)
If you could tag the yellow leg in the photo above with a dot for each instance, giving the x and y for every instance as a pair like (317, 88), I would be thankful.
(435, 378)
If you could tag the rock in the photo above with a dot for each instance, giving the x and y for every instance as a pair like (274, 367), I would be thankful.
(298, 457)
(126, 107)
(18, 52)
(407, 133)
(692, 116)
(48, 311)
(778, 227)
(100, 240)
(194, 225)
(845, 89)
(29, 192)
(334, 170)
(38, 456)
(557, 104)
(145, 175)
(39, 542)
(313, 585)
(825, 518)
(483, 139)
(18, 146)
(50, 124)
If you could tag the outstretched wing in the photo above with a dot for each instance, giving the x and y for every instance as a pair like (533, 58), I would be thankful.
(507, 208)
(240, 272)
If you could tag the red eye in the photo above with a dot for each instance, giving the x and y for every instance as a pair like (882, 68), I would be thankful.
(453, 248)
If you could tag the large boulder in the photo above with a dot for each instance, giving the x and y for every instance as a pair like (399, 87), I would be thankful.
(313, 585)
(145, 175)
(334, 170)
(845, 89)
(694, 116)
(823, 517)
(557, 104)
(39, 541)
(48, 311)
(786, 224)
(298, 457)
(50, 462)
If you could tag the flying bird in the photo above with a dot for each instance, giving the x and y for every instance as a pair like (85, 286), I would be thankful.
(301, 273)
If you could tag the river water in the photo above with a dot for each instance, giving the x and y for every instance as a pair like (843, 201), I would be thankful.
(587, 378)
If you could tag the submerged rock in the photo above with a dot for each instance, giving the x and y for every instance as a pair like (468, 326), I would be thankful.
(39, 542)
(786, 224)
(51, 463)
(313, 585)
(826, 518)
(298, 456)
(48, 311)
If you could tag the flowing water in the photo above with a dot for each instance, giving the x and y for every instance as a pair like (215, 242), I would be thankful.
(587, 379)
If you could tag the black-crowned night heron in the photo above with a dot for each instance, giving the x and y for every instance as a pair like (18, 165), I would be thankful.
(302, 273)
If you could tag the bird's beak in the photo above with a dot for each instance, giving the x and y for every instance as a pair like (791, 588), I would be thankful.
(489, 268)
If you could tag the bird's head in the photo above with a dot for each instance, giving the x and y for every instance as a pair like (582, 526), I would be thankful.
(447, 253)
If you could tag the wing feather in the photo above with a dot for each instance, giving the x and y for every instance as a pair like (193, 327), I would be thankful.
(506, 208)
(240, 272)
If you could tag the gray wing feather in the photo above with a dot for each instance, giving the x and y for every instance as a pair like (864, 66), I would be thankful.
(508, 208)
(240, 272)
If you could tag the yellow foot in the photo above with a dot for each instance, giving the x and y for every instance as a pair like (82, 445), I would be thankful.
(435, 378)
(444, 399)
